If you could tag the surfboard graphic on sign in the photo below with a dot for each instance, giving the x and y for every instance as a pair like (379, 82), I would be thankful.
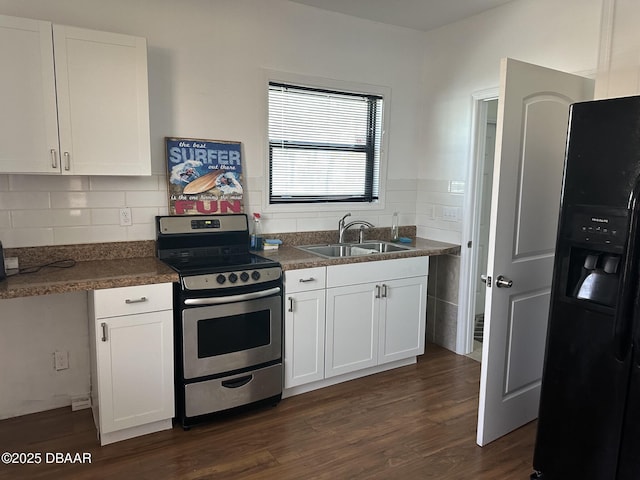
(204, 176)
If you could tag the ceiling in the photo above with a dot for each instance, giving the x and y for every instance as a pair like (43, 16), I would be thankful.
(417, 14)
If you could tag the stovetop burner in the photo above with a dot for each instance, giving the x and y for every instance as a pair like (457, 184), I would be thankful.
(193, 266)
(207, 244)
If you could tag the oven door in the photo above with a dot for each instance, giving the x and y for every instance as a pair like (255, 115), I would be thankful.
(233, 335)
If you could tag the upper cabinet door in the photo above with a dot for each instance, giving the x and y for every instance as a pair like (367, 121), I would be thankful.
(103, 102)
(28, 122)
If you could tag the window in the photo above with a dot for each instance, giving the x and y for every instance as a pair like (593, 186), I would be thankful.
(324, 145)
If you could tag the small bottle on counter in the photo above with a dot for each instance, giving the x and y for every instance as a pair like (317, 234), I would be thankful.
(256, 235)
(394, 227)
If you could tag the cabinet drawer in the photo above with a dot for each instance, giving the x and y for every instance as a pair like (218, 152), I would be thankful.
(305, 279)
(352, 274)
(113, 302)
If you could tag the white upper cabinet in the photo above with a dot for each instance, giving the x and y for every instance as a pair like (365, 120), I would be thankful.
(28, 117)
(74, 101)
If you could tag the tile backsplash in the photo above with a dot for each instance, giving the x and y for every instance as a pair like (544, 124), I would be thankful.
(57, 210)
(40, 210)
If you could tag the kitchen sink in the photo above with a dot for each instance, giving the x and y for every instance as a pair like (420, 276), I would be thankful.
(338, 250)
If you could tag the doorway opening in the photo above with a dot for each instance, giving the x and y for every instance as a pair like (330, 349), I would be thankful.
(486, 120)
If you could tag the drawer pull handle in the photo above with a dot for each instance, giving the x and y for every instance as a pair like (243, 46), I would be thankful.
(291, 304)
(305, 280)
(128, 301)
(378, 291)
(104, 331)
(237, 382)
(384, 290)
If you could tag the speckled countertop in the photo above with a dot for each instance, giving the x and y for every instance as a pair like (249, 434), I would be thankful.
(123, 264)
(292, 258)
(98, 265)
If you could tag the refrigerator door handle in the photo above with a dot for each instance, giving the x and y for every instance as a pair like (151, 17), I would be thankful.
(626, 326)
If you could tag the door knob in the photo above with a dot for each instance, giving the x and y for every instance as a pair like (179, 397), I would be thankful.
(503, 282)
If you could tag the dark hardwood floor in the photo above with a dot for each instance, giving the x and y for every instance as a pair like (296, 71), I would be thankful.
(417, 422)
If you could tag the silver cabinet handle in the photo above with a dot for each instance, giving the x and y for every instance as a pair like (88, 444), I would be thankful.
(305, 280)
(128, 301)
(290, 304)
(54, 158)
(503, 282)
(67, 161)
(104, 331)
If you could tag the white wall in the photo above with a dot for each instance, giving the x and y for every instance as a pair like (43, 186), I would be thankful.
(206, 79)
(462, 59)
(28, 338)
(207, 62)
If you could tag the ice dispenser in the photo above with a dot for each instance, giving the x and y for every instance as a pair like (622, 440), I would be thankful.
(596, 245)
(599, 279)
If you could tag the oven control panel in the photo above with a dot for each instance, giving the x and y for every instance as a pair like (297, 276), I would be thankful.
(231, 279)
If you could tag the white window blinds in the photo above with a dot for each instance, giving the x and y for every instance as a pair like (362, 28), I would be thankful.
(324, 146)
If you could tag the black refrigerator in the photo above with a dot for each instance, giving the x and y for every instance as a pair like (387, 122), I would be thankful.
(589, 417)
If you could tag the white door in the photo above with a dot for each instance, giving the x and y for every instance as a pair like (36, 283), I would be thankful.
(531, 131)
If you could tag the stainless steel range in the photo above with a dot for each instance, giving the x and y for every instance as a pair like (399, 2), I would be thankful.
(228, 315)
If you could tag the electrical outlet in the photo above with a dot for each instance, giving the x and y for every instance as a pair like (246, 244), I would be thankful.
(11, 263)
(125, 217)
(80, 402)
(450, 214)
(60, 360)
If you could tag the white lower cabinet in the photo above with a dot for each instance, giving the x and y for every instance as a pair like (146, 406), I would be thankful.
(352, 329)
(131, 341)
(375, 314)
(304, 324)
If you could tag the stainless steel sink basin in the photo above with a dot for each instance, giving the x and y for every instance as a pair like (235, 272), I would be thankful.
(338, 250)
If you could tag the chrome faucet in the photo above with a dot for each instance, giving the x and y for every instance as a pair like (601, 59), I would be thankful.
(342, 228)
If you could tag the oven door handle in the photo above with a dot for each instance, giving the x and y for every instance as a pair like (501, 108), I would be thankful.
(232, 298)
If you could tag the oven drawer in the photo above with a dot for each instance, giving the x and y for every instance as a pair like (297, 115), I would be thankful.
(305, 279)
(114, 302)
(228, 392)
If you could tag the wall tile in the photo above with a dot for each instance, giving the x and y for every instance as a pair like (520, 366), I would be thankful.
(144, 215)
(24, 200)
(108, 233)
(50, 218)
(71, 235)
(433, 275)
(141, 231)
(431, 319)
(105, 216)
(87, 199)
(146, 199)
(446, 327)
(125, 183)
(26, 237)
(48, 183)
(448, 277)
(5, 219)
